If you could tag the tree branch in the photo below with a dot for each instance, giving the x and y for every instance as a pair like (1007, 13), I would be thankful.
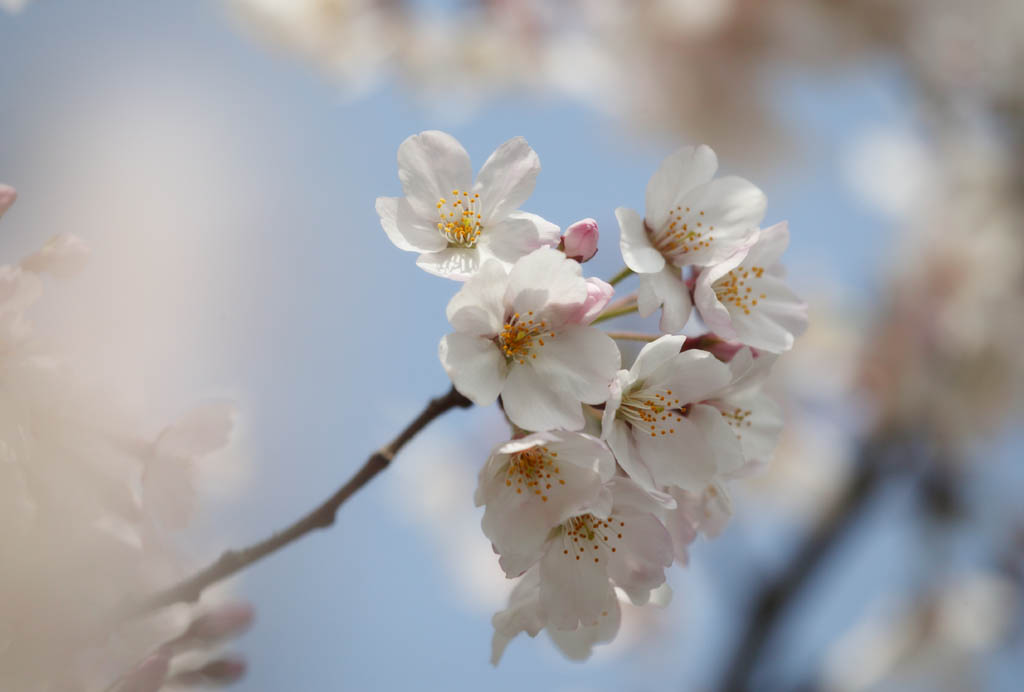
(776, 595)
(232, 561)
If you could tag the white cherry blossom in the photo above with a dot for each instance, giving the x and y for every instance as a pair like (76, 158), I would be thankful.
(657, 422)
(524, 614)
(692, 218)
(746, 297)
(536, 483)
(523, 334)
(455, 224)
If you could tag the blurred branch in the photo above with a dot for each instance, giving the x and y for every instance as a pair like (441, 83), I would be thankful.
(776, 595)
(321, 517)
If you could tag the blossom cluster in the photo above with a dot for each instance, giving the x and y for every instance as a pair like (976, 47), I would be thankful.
(610, 473)
(88, 506)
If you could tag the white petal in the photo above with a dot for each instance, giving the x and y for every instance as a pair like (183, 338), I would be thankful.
(204, 430)
(655, 354)
(645, 550)
(580, 361)
(507, 179)
(734, 207)
(517, 236)
(572, 591)
(577, 645)
(546, 281)
(760, 432)
(522, 614)
(775, 322)
(636, 248)
(169, 490)
(477, 308)
(532, 403)
(722, 438)
(454, 263)
(431, 165)
(693, 376)
(406, 230)
(684, 458)
(772, 242)
(476, 366)
(679, 173)
(665, 289)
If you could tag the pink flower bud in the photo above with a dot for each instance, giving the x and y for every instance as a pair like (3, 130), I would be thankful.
(580, 240)
(7, 196)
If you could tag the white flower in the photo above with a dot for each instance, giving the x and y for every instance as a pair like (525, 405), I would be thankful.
(524, 614)
(522, 334)
(746, 298)
(656, 421)
(536, 483)
(454, 223)
(692, 219)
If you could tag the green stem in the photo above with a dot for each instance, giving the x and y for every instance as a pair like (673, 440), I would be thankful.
(626, 271)
(634, 336)
(615, 313)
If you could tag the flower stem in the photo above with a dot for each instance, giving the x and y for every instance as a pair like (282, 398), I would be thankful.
(615, 313)
(634, 336)
(626, 271)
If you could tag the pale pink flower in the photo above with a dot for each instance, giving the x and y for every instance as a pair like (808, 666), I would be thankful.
(522, 334)
(580, 240)
(746, 297)
(455, 224)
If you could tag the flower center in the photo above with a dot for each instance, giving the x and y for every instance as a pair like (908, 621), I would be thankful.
(736, 288)
(653, 411)
(737, 418)
(520, 336)
(532, 469)
(683, 233)
(587, 533)
(458, 219)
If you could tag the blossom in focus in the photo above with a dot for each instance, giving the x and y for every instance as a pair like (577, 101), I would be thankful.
(580, 240)
(455, 224)
(657, 422)
(692, 219)
(522, 334)
(746, 297)
(535, 483)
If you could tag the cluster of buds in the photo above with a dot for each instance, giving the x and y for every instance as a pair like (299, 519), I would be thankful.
(610, 473)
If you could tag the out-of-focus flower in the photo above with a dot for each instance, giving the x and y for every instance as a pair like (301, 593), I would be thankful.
(521, 334)
(580, 240)
(457, 225)
(62, 256)
(7, 197)
(692, 219)
(746, 298)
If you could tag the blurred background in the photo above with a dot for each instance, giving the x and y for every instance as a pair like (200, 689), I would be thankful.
(222, 160)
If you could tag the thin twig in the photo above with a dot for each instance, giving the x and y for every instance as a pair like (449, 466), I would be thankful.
(323, 516)
(626, 271)
(609, 314)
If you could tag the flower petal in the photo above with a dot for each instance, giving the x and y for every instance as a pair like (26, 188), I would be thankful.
(546, 280)
(580, 361)
(516, 236)
(477, 308)
(683, 459)
(679, 173)
(476, 366)
(406, 230)
(654, 354)
(572, 591)
(636, 248)
(456, 263)
(507, 179)
(431, 165)
(665, 289)
(533, 403)
(721, 436)
(733, 207)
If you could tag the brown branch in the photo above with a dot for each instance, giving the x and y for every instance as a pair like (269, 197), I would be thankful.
(775, 597)
(233, 561)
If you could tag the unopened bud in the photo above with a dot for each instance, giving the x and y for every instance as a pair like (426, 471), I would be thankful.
(580, 240)
(7, 196)
(222, 671)
(598, 294)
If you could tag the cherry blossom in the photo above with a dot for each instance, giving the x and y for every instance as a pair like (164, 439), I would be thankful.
(455, 224)
(656, 421)
(580, 240)
(522, 334)
(746, 298)
(692, 218)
